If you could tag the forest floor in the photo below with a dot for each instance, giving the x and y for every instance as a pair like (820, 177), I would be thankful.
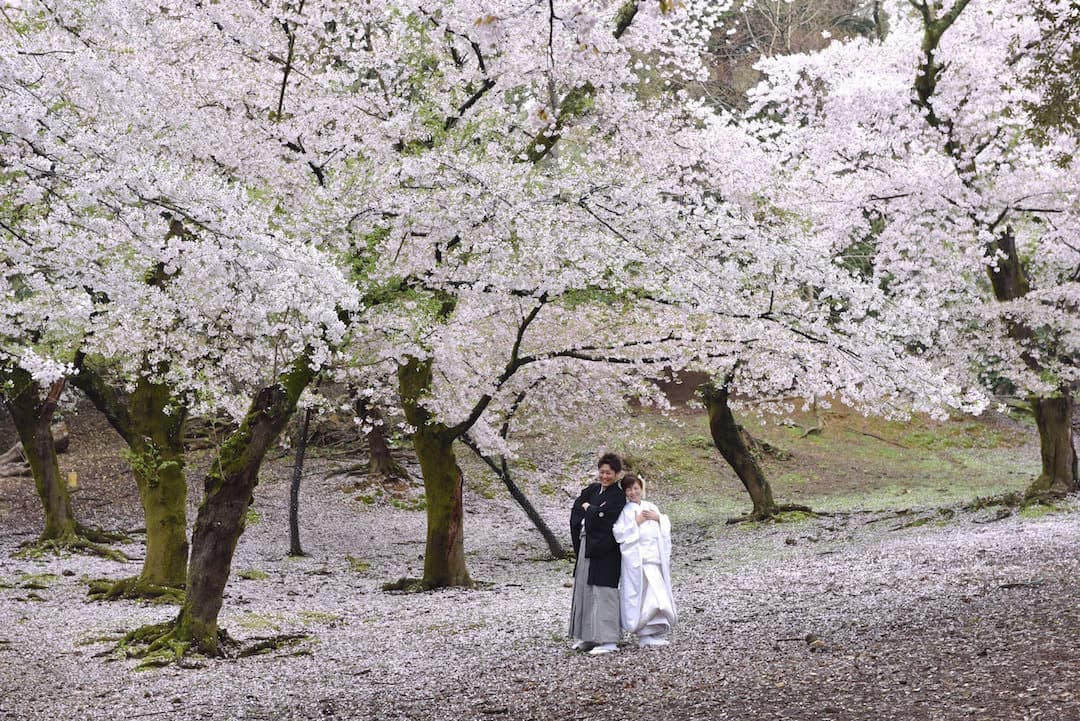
(901, 605)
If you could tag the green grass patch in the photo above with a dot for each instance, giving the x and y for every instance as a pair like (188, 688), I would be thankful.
(259, 621)
(357, 565)
(417, 504)
(321, 618)
(36, 581)
(792, 517)
(370, 499)
(787, 480)
(957, 435)
(253, 574)
(1038, 510)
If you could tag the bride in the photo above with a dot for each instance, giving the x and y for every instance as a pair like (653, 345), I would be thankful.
(644, 536)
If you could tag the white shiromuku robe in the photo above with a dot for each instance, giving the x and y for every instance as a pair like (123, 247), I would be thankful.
(648, 608)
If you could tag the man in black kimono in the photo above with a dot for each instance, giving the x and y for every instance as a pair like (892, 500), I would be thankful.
(594, 611)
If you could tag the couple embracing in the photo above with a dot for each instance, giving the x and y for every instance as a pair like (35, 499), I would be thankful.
(622, 579)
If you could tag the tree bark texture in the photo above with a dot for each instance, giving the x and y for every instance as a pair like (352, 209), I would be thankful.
(1059, 462)
(229, 484)
(1053, 415)
(33, 416)
(444, 556)
(151, 422)
(728, 438)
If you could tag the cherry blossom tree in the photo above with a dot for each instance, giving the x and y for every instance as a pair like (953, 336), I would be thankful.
(917, 153)
(516, 121)
(173, 236)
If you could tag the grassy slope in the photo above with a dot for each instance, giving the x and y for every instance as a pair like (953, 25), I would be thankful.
(852, 463)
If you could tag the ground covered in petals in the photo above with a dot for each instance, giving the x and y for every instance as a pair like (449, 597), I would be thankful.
(860, 615)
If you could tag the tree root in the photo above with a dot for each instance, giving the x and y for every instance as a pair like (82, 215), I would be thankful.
(407, 585)
(1017, 500)
(100, 535)
(104, 589)
(943, 514)
(419, 585)
(1010, 500)
(71, 543)
(773, 514)
(1041, 497)
(155, 645)
(272, 643)
(162, 644)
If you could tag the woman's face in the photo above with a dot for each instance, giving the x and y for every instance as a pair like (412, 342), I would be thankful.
(606, 475)
(633, 493)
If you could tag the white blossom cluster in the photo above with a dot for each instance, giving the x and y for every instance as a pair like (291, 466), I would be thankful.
(206, 192)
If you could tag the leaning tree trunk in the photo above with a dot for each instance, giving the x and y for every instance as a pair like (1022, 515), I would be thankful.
(444, 556)
(151, 421)
(1059, 476)
(33, 422)
(728, 438)
(502, 469)
(229, 484)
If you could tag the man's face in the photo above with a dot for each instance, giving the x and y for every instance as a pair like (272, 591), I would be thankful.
(606, 475)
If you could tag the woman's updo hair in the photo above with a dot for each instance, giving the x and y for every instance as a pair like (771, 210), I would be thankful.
(630, 480)
(612, 460)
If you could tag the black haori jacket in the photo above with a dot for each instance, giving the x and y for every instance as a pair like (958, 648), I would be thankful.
(601, 548)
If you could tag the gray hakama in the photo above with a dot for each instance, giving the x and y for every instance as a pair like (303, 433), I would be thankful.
(594, 610)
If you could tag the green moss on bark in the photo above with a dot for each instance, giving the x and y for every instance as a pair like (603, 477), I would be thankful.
(444, 556)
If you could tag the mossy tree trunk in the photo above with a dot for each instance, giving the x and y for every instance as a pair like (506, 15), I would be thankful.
(1053, 414)
(444, 556)
(229, 484)
(33, 416)
(151, 421)
(728, 438)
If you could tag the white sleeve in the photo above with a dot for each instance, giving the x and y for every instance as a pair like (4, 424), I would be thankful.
(626, 526)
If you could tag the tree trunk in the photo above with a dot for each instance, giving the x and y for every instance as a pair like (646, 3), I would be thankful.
(13, 461)
(381, 463)
(444, 556)
(33, 423)
(1059, 464)
(1053, 415)
(157, 447)
(151, 421)
(502, 470)
(229, 484)
(1008, 276)
(728, 439)
(294, 489)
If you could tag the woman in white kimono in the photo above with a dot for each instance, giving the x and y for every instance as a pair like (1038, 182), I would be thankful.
(644, 536)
